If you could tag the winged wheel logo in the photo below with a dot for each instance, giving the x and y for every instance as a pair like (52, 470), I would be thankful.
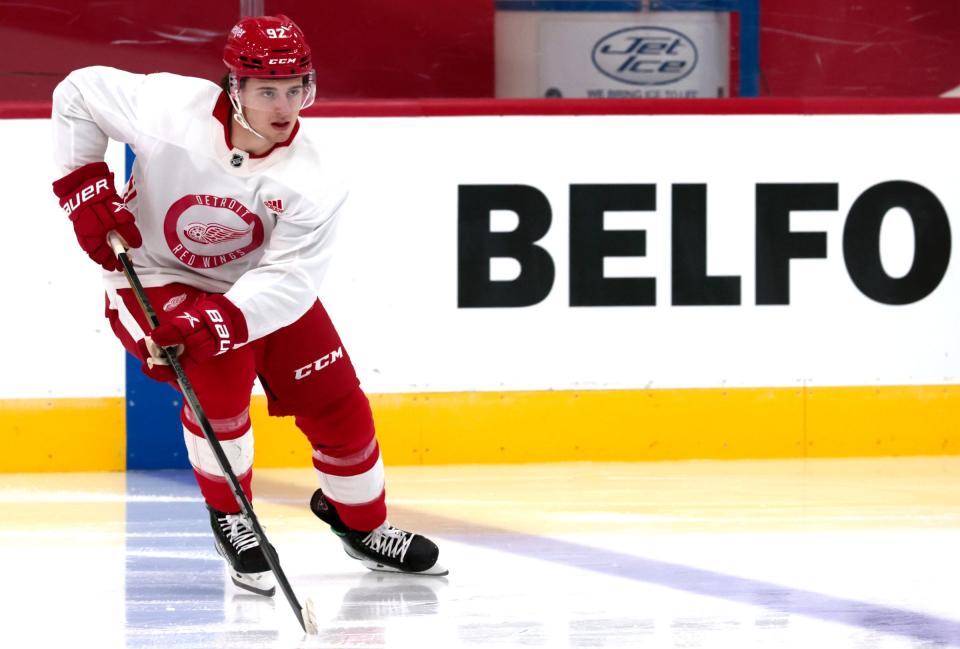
(209, 233)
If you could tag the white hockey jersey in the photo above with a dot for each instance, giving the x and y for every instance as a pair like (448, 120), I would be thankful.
(258, 229)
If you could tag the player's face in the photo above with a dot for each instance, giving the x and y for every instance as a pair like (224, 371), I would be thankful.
(271, 106)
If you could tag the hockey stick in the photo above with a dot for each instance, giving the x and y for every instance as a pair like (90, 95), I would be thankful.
(305, 615)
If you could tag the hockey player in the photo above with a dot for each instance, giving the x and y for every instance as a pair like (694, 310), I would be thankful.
(231, 212)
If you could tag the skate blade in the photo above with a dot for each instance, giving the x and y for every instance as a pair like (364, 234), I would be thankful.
(260, 583)
(436, 570)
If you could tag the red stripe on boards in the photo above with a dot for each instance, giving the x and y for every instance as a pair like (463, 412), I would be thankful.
(468, 107)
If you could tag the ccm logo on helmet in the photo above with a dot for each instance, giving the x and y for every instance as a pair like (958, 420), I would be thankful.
(280, 61)
(319, 364)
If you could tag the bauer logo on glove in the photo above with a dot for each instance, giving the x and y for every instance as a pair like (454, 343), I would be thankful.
(211, 327)
(84, 194)
(88, 196)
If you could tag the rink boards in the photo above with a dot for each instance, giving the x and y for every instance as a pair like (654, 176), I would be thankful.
(576, 287)
(596, 425)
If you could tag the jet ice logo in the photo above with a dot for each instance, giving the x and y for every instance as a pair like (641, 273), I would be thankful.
(317, 365)
(645, 56)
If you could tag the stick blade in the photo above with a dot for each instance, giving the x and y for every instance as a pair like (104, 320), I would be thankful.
(310, 617)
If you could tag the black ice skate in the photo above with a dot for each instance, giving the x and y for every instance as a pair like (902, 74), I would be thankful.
(236, 542)
(386, 549)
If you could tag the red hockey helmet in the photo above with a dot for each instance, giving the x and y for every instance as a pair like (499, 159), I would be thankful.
(267, 46)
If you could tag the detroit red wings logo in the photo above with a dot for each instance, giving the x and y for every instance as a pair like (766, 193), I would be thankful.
(174, 302)
(196, 235)
(209, 233)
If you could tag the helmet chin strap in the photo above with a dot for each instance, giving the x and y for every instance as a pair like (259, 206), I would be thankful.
(240, 119)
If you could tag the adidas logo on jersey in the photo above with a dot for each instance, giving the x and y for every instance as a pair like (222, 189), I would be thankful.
(274, 205)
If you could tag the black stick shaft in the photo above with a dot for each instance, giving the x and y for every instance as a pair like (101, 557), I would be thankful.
(187, 389)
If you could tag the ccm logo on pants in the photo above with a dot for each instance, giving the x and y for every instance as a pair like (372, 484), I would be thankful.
(319, 364)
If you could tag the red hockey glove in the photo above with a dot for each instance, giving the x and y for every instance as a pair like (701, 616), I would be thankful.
(209, 328)
(88, 197)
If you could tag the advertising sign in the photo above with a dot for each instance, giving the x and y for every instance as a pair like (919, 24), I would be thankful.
(646, 55)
